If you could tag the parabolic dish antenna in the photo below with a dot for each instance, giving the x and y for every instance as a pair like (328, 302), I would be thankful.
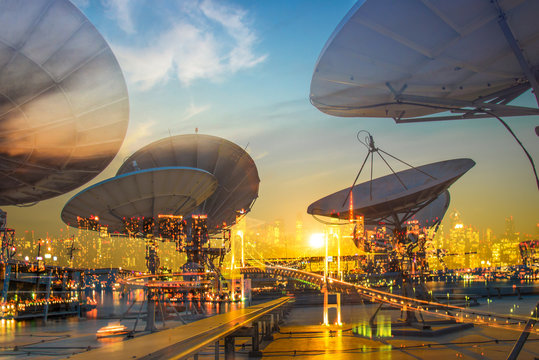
(63, 100)
(408, 59)
(235, 171)
(145, 193)
(393, 202)
(404, 59)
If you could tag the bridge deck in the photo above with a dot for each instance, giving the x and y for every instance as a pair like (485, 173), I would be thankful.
(185, 340)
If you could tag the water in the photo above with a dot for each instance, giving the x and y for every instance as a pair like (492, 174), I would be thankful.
(64, 336)
(484, 288)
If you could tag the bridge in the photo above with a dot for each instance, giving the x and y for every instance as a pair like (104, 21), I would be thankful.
(405, 303)
(257, 322)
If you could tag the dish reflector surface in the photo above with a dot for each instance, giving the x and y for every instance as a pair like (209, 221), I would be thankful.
(389, 197)
(234, 169)
(63, 100)
(145, 193)
(436, 48)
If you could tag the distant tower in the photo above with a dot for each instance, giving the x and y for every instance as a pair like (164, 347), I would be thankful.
(485, 247)
(455, 218)
(457, 240)
(510, 228)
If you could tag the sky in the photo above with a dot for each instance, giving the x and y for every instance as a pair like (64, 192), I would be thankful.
(241, 70)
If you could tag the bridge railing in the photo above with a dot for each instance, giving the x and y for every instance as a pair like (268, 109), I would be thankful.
(188, 340)
(448, 311)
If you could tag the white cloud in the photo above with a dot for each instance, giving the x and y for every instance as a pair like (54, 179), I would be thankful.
(145, 69)
(194, 110)
(120, 10)
(260, 156)
(137, 136)
(233, 21)
(207, 41)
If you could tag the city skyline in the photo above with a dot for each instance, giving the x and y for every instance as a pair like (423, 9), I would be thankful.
(242, 71)
(90, 249)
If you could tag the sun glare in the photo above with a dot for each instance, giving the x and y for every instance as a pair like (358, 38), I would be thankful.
(316, 241)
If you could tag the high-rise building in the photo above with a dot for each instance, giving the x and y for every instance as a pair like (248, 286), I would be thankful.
(510, 228)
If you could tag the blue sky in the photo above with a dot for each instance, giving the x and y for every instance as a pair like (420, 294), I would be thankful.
(242, 69)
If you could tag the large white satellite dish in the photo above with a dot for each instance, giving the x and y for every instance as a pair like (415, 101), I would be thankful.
(409, 59)
(141, 194)
(235, 171)
(63, 100)
(394, 199)
(404, 59)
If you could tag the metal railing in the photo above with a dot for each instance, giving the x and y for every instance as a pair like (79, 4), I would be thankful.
(185, 341)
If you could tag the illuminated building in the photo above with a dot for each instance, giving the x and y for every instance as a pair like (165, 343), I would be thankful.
(299, 230)
(510, 228)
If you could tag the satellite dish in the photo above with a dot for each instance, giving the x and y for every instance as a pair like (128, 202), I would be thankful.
(235, 171)
(141, 194)
(425, 57)
(395, 198)
(63, 101)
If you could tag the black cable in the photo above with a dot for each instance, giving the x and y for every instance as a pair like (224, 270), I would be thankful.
(503, 123)
(520, 143)
(370, 183)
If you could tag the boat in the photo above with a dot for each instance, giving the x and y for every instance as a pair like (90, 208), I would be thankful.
(112, 329)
